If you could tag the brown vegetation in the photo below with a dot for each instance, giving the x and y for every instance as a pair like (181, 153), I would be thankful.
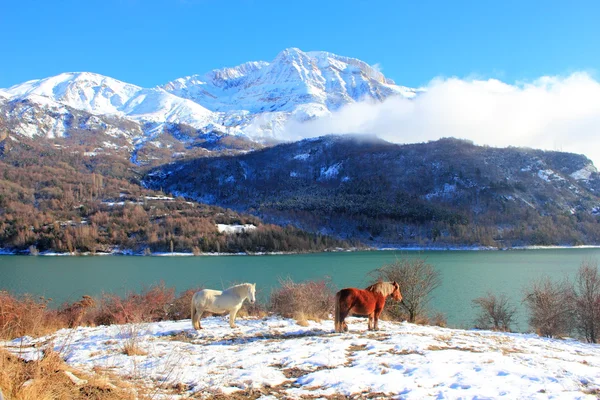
(50, 379)
(152, 304)
(310, 300)
(26, 316)
(55, 200)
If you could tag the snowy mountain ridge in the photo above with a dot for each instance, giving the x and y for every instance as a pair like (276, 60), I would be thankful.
(255, 99)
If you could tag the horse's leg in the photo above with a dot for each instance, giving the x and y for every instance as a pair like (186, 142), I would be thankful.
(196, 315)
(337, 324)
(370, 327)
(376, 314)
(344, 311)
(232, 315)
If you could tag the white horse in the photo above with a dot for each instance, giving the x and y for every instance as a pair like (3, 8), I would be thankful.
(217, 301)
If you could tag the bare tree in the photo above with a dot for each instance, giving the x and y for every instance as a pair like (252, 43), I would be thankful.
(417, 281)
(550, 307)
(586, 301)
(495, 312)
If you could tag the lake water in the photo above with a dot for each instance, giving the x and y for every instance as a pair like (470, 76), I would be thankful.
(465, 274)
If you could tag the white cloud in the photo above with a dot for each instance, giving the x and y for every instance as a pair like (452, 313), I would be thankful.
(551, 113)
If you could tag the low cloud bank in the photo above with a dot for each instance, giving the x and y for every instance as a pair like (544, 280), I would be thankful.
(551, 113)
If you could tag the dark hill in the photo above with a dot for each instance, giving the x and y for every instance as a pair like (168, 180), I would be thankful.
(447, 192)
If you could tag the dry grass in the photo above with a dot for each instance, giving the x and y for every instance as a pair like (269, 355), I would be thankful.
(47, 380)
(131, 341)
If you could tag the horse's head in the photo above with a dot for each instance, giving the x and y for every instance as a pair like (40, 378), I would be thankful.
(396, 295)
(252, 293)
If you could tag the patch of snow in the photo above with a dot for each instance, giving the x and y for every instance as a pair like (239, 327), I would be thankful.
(302, 157)
(330, 172)
(446, 191)
(165, 198)
(293, 174)
(584, 173)
(232, 229)
(549, 175)
(525, 201)
(405, 360)
(110, 145)
(120, 203)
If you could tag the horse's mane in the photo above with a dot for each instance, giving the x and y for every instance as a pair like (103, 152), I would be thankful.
(383, 288)
(238, 287)
(241, 284)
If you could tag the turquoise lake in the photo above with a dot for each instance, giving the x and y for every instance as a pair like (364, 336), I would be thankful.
(465, 275)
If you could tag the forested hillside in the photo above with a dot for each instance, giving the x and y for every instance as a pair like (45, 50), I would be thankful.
(448, 192)
(66, 199)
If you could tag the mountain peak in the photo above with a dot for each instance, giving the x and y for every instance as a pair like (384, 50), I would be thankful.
(85, 91)
(291, 53)
(256, 99)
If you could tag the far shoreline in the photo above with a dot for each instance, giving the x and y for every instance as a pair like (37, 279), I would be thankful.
(129, 253)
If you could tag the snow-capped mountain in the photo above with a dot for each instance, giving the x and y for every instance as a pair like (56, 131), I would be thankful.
(101, 95)
(293, 79)
(256, 99)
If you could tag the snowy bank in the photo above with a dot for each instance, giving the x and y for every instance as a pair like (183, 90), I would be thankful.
(277, 357)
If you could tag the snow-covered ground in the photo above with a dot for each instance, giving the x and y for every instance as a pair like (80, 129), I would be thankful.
(279, 358)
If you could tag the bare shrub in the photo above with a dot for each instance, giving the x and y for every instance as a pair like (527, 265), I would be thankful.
(495, 313)
(310, 300)
(152, 304)
(417, 281)
(549, 307)
(586, 301)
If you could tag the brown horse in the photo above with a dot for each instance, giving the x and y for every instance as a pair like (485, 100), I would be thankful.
(369, 301)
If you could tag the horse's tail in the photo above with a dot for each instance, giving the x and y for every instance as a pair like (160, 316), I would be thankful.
(195, 315)
(338, 322)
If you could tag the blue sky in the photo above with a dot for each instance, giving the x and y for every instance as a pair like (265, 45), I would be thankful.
(149, 42)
